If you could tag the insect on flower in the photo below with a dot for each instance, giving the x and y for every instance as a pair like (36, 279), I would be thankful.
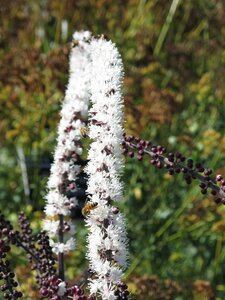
(84, 131)
(88, 207)
(74, 43)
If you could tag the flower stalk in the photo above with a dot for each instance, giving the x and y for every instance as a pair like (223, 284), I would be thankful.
(176, 163)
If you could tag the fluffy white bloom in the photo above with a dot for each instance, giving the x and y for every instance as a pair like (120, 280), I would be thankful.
(107, 242)
(63, 247)
(64, 170)
(82, 35)
(51, 227)
(107, 291)
(56, 204)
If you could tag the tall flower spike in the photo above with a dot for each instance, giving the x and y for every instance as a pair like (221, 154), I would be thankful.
(107, 241)
(65, 170)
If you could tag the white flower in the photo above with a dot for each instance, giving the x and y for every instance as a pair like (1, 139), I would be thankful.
(115, 274)
(63, 247)
(56, 204)
(51, 227)
(82, 35)
(50, 210)
(107, 291)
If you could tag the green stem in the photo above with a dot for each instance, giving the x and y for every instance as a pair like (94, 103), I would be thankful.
(166, 27)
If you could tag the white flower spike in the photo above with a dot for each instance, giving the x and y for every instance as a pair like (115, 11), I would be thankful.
(107, 241)
(64, 170)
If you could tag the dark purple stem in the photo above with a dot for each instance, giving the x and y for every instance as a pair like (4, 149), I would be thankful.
(196, 174)
(36, 259)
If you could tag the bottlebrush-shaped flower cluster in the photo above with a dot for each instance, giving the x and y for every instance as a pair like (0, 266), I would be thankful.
(66, 168)
(107, 241)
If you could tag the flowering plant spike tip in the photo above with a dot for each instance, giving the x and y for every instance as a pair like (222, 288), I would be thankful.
(107, 240)
(65, 168)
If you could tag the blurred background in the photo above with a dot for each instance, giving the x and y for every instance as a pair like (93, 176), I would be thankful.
(174, 88)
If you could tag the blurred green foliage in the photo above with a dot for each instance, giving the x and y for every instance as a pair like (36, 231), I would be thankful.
(174, 56)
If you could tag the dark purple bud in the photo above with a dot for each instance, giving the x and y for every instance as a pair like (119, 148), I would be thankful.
(67, 227)
(213, 192)
(188, 181)
(171, 171)
(219, 177)
(125, 151)
(159, 148)
(115, 210)
(178, 155)
(187, 178)
(204, 191)
(177, 170)
(198, 165)
(184, 170)
(163, 150)
(131, 153)
(154, 149)
(207, 178)
(223, 182)
(202, 185)
(44, 291)
(5, 231)
(159, 165)
(139, 146)
(137, 139)
(72, 186)
(190, 163)
(153, 161)
(217, 200)
(171, 157)
(142, 143)
(208, 172)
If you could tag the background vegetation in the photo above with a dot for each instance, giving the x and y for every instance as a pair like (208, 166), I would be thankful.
(174, 56)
